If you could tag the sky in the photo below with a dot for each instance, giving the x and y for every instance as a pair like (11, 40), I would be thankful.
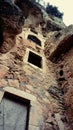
(65, 6)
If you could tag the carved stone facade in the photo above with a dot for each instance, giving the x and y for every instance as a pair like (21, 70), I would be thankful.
(30, 78)
(37, 69)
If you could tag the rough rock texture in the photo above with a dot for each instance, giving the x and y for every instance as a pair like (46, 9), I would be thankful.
(58, 43)
(60, 51)
(53, 88)
(32, 13)
(35, 14)
(11, 22)
(17, 73)
(64, 72)
(51, 24)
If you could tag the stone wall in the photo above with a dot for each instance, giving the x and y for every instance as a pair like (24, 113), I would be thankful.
(59, 49)
(64, 73)
(18, 74)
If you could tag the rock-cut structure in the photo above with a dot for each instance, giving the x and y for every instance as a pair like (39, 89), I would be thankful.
(36, 68)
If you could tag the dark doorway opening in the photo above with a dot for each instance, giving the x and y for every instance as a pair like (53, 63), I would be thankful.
(14, 113)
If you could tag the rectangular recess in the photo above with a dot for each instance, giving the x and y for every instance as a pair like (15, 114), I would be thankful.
(35, 59)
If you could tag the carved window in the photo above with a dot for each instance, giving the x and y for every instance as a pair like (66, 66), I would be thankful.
(34, 39)
(35, 59)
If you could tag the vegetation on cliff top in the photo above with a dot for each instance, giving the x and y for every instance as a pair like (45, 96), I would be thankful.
(53, 10)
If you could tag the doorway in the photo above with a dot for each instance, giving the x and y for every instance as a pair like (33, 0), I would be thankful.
(14, 113)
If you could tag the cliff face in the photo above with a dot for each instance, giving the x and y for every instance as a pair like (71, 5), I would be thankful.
(49, 82)
(57, 43)
(40, 16)
(59, 49)
(11, 22)
(12, 15)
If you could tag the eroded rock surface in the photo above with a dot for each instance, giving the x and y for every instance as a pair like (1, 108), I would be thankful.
(11, 22)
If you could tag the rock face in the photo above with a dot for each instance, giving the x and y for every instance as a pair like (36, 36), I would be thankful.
(60, 52)
(64, 73)
(58, 43)
(16, 72)
(11, 22)
(36, 15)
(50, 83)
(32, 13)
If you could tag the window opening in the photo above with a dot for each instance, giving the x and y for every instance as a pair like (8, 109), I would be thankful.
(61, 72)
(35, 59)
(34, 39)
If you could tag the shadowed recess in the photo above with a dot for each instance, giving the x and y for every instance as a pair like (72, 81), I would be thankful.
(63, 47)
